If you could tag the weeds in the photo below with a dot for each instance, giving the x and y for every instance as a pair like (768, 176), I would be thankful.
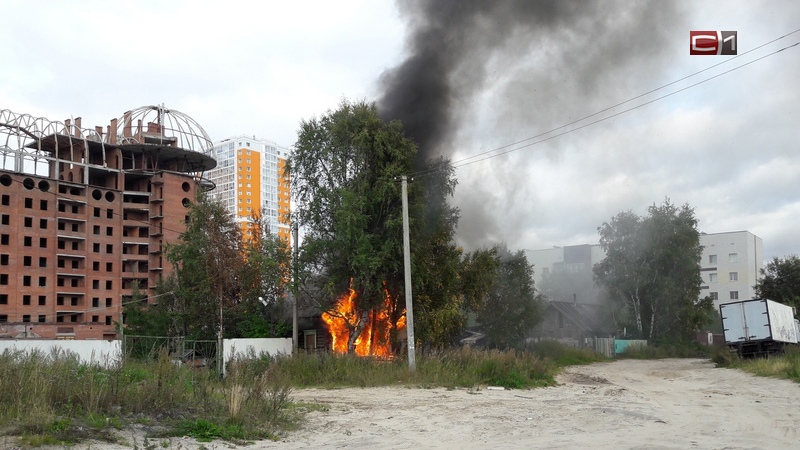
(54, 399)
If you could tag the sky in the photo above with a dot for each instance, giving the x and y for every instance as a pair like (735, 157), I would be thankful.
(482, 83)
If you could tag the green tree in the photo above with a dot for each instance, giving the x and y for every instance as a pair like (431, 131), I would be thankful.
(261, 309)
(652, 265)
(345, 173)
(780, 281)
(512, 308)
(207, 262)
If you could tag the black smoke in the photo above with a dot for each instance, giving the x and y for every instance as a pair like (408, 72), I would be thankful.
(541, 63)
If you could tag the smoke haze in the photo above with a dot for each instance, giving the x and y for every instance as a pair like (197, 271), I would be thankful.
(512, 69)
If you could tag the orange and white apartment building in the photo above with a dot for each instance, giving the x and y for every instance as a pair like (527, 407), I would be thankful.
(85, 214)
(250, 179)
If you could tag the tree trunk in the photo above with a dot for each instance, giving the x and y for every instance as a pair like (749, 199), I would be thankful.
(355, 332)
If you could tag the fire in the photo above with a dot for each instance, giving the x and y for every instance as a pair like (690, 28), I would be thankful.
(375, 337)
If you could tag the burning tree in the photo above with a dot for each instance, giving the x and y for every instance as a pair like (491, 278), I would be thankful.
(344, 173)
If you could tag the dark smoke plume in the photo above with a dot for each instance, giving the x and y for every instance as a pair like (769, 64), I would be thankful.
(541, 63)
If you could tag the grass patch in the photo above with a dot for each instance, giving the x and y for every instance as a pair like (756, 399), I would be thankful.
(785, 366)
(56, 400)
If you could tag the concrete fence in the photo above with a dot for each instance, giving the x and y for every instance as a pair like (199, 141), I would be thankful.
(108, 353)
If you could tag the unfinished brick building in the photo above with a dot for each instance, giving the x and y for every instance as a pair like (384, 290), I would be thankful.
(85, 214)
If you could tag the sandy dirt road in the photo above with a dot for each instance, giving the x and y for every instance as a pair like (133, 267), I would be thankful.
(626, 404)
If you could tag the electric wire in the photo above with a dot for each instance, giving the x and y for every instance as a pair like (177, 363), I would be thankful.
(483, 156)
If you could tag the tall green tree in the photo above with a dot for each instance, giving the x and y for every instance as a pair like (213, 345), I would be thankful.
(652, 265)
(780, 281)
(345, 173)
(207, 262)
(512, 308)
(261, 309)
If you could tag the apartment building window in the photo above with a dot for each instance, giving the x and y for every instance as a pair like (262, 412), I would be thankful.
(95, 302)
(96, 266)
(109, 248)
(43, 205)
(97, 212)
(109, 231)
(26, 318)
(733, 257)
(108, 302)
(109, 267)
(26, 300)
(42, 318)
(734, 276)
(109, 213)
(96, 247)
(42, 281)
(108, 320)
(712, 278)
(95, 284)
(42, 300)
(3, 299)
(3, 318)
(27, 241)
(42, 261)
(6, 219)
(60, 301)
(27, 222)
(3, 260)
(109, 285)
(26, 280)
(3, 239)
(43, 224)
(95, 319)
(29, 203)
(734, 295)
(43, 242)
(6, 200)
(26, 261)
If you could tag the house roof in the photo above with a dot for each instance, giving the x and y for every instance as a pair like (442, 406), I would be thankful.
(586, 317)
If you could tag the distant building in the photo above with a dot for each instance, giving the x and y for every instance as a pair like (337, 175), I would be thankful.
(573, 324)
(85, 215)
(731, 265)
(250, 178)
(565, 273)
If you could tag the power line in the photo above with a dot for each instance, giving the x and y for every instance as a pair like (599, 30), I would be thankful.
(514, 145)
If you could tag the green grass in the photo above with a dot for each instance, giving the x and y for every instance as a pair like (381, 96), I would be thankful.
(56, 400)
(785, 366)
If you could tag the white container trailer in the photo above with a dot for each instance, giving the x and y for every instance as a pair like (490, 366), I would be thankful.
(758, 326)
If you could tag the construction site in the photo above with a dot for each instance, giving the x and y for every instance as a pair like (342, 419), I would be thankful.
(85, 214)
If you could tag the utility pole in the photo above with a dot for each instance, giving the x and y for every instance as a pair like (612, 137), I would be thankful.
(295, 247)
(412, 357)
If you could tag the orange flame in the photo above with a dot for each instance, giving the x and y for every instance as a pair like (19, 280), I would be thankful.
(375, 337)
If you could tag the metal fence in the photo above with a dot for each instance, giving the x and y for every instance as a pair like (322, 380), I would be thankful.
(195, 353)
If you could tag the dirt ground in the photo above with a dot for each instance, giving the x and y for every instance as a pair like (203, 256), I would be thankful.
(626, 404)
